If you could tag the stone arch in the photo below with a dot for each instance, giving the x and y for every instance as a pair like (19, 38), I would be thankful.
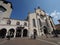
(25, 33)
(3, 32)
(35, 32)
(45, 30)
(18, 32)
(11, 32)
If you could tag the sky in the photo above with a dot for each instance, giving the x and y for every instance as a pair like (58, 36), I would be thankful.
(22, 7)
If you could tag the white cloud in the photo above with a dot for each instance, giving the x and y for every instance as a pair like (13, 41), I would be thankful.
(47, 13)
(55, 14)
(58, 13)
(56, 17)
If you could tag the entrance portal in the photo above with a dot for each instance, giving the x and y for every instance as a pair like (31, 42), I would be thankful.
(12, 32)
(3, 33)
(35, 33)
(25, 32)
(18, 32)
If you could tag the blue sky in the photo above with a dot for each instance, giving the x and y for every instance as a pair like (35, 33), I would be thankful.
(22, 7)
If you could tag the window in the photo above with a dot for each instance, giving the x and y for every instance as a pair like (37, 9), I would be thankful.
(40, 22)
(18, 23)
(41, 16)
(34, 24)
(25, 24)
(9, 22)
(37, 13)
(2, 9)
(47, 23)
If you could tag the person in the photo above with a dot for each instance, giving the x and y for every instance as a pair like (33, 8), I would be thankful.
(35, 34)
(8, 36)
(45, 31)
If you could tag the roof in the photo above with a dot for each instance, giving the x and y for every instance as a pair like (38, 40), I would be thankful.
(57, 26)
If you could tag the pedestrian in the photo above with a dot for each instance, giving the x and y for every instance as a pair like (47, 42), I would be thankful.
(8, 36)
(35, 34)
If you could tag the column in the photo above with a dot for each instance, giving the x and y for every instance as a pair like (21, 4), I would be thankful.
(15, 34)
(22, 33)
(6, 33)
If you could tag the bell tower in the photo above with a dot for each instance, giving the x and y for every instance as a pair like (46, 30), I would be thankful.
(5, 9)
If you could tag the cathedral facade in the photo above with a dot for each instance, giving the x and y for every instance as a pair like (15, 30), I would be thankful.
(23, 28)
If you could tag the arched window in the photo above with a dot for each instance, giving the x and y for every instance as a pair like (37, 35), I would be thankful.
(34, 23)
(2, 9)
(40, 24)
(25, 24)
(9, 22)
(47, 23)
(18, 23)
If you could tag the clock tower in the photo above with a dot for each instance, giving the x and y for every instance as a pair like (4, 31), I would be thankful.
(5, 9)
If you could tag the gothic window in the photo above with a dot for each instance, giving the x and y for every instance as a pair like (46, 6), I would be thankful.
(18, 23)
(37, 14)
(34, 23)
(2, 9)
(41, 15)
(47, 23)
(40, 22)
(9, 22)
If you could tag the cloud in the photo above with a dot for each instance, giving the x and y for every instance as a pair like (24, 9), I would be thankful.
(55, 14)
(47, 13)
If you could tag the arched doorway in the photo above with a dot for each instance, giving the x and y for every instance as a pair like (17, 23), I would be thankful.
(11, 32)
(3, 33)
(35, 32)
(18, 32)
(45, 30)
(25, 33)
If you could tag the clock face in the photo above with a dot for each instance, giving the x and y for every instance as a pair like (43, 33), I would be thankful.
(2, 9)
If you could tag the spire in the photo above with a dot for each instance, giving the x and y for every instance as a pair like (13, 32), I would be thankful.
(6, 2)
(38, 7)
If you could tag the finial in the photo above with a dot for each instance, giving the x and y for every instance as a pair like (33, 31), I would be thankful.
(38, 7)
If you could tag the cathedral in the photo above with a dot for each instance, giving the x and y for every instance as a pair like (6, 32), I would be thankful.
(34, 22)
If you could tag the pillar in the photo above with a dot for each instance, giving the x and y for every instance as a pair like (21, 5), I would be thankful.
(22, 33)
(15, 33)
(7, 33)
